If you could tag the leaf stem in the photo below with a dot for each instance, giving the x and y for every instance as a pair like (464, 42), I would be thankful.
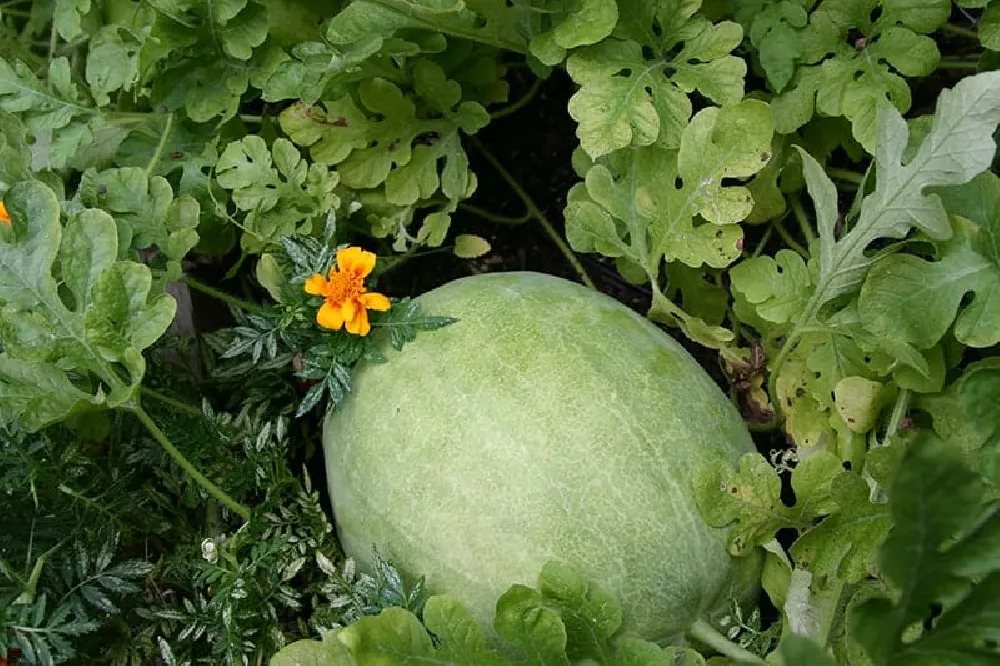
(846, 175)
(53, 41)
(173, 402)
(960, 31)
(896, 418)
(789, 241)
(876, 491)
(707, 634)
(763, 241)
(255, 120)
(246, 306)
(519, 104)
(535, 212)
(779, 362)
(167, 125)
(186, 465)
(800, 217)
(955, 63)
(494, 217)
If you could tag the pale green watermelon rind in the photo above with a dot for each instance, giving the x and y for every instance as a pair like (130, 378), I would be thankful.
(461, 461)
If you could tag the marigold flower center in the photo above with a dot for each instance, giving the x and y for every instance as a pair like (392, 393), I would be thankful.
(344, 286)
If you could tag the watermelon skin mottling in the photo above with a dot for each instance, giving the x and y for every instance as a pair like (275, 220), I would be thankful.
(550, 422)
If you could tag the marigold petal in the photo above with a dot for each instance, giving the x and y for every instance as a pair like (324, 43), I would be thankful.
(356, 261)
(360, 324)
(329, 316)
(374, 301)
(4, 215)
(315, 285)
(349, 309)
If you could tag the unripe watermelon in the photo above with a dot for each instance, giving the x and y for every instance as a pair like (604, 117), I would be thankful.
(550, 423)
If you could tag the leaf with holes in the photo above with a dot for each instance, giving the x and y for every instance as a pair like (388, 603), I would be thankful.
(918, 301)
(845, 544)
(940, 562)
(859, 80)
(958, 146)
(749, 497)
(633, 87)
(672, 204)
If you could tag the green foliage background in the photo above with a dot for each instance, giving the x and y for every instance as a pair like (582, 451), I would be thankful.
(807, 188)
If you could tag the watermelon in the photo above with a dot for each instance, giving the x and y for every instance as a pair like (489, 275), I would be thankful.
(549, 423)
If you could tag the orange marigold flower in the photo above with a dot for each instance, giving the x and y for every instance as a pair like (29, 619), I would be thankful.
(345, 300)
(4, 215)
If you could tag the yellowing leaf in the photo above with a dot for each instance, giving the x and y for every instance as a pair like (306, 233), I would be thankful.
(750, 497)
(859, 402)
(468, 246)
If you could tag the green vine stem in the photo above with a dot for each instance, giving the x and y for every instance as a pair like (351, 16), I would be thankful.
(173, 402)
(955, 63)
(493, 217)
(167, 125)
(845, 175)
(800, 217)
(186, 465)
(535, 212)
(519, 104)
(902, 404)
(960, 31)
(246, 306)
(705, 633)
(787, 238)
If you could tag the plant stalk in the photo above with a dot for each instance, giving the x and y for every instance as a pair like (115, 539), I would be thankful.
(173, 402)
(955, 63)
(800, 217)
(494, 217)
(876, 492)
(789, 241)
(246, 306)
(519, 104)
(53, 41)
(960, 31)
(186, 465)
(845, 175)
(535, 212)
(707, 634)
(763, 242)
(167, 125)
